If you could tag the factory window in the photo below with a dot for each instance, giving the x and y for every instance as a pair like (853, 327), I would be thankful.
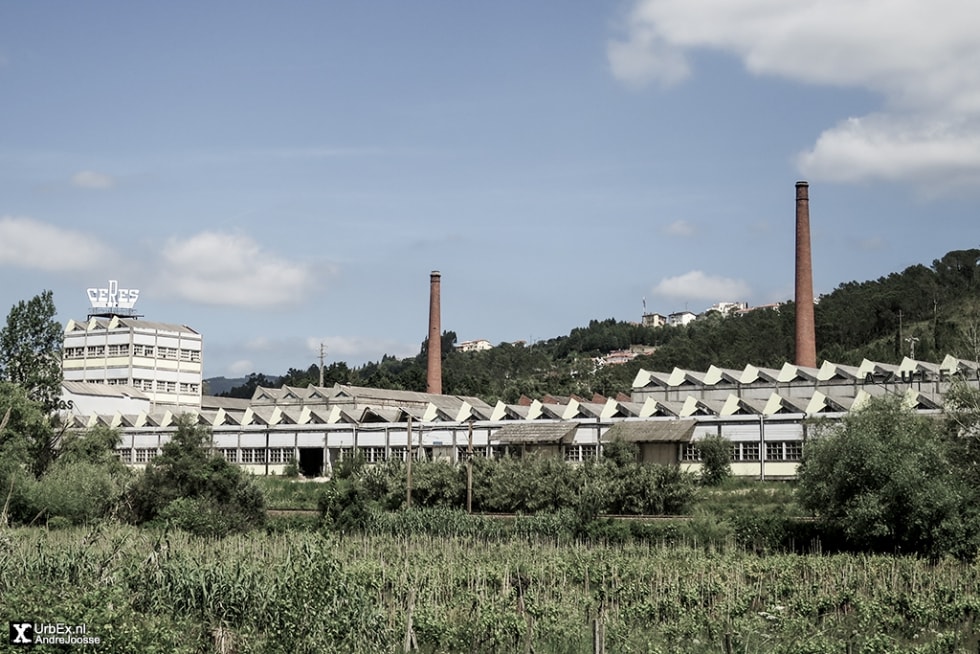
(167, 352)
(398, 453)
(774, 451)
(279, 454)
(96, 350)
(230, 454)
(143, 350)
(691, 452)
(374, 454)
(249, 455)
(168, 387)
(190, 355)
(119, 350)
(74, 352)
(746, 452)
(578, 453)
(145, 455)
(794, 450)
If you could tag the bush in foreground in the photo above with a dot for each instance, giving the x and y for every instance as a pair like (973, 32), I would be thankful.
(194, 490)
(886, 479)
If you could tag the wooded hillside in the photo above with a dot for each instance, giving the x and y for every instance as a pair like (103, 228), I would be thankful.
(935, 309)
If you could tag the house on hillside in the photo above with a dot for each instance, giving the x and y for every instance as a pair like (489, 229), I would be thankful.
(681, 318)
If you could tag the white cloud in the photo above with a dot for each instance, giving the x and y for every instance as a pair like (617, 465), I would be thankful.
(232, 270)
(695, 285)
(31, 244)
(923, 59)
(90, 179)
(892, 149)
(681, 228)
(644, 57)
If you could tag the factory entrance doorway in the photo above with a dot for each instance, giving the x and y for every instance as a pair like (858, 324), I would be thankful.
(311, 461)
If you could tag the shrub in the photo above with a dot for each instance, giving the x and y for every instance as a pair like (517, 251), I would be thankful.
(885, 478)
(438, 484)
(716, 460)
(79, 492)
(345, 504)
(187, 471)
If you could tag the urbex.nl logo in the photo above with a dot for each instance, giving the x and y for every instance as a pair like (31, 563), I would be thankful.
(21, 633)
(28, 633)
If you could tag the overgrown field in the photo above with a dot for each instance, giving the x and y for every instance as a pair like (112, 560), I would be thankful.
(146, 591)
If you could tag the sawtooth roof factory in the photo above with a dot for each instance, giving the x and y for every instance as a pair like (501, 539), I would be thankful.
(139, 377)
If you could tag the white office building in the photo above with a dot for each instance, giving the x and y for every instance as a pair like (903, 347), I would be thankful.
(161, 360)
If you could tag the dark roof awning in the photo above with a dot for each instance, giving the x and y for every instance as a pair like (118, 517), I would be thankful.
(535, 432)
(652, 431)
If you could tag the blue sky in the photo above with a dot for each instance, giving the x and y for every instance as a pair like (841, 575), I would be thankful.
(280, 175)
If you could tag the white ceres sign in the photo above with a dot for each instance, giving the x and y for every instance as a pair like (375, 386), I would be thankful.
(113, 297)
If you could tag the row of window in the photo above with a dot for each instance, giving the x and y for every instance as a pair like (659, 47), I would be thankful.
(125, 350)
(741, 452)
(749, 451)
(380, 454)
(276, 455)
(573, 453)
(186, 388)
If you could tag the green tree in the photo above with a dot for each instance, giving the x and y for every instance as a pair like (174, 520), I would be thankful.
(87, 480)
(27, 438)
(886, 479)
(192, 488)
(962, 408)
(30, 349)
(716, 460)
(42, 476)
(620, 453)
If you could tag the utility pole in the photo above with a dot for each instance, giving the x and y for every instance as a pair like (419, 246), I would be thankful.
(408, 466)
(469, 471)
(323, 353)
(912, 340)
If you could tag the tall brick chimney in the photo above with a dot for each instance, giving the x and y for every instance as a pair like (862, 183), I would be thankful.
(806, 336)
(433, 374)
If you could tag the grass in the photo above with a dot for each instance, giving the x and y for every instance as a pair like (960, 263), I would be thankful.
(283, 493)
(739, 497)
